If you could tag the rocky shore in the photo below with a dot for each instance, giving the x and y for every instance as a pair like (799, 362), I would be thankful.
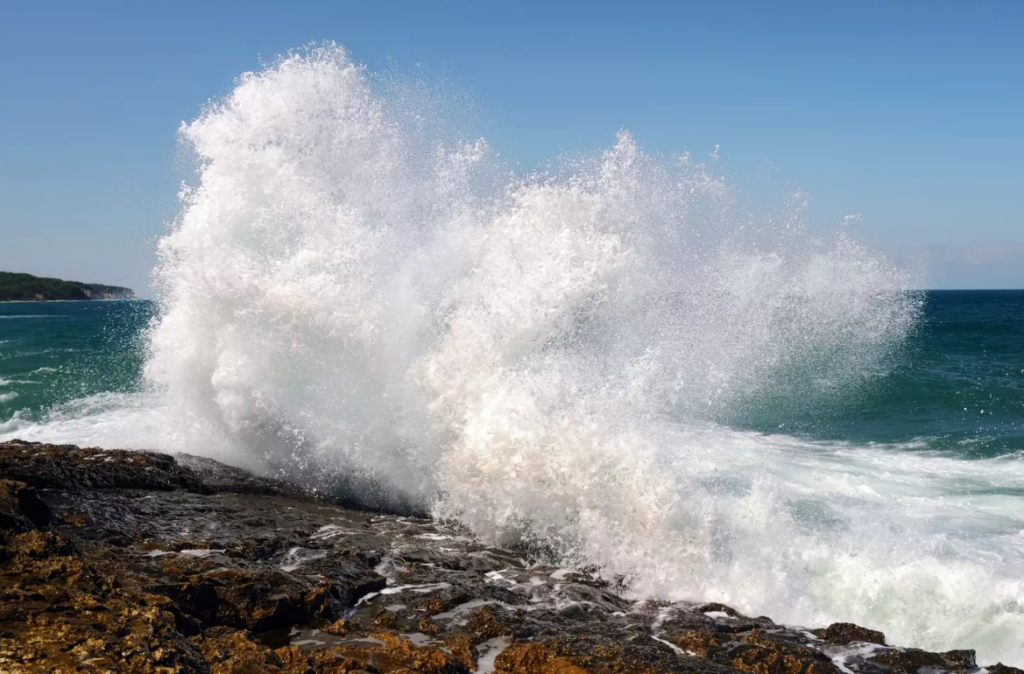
(119, 561)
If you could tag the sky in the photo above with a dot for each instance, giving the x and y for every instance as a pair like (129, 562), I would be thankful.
(910, 114)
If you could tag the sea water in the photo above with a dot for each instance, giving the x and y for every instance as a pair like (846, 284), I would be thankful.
(622, 361)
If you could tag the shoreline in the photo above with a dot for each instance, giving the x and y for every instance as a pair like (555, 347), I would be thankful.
(139, 561)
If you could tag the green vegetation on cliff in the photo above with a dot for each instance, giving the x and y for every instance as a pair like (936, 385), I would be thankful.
(25, 287)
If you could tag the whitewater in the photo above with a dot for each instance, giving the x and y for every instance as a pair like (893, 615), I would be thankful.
(360, 297)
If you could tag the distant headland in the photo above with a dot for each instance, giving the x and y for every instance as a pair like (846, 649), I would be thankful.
(28, 288)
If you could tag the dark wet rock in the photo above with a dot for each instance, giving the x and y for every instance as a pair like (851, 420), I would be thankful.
(342, 626)
(75, 469)
(141, 562)
(730, 620)
(21, 509)
(910, 660)
(1000, 668)
(216, 477)
(847, 633)
(760, 653)
(966, 660)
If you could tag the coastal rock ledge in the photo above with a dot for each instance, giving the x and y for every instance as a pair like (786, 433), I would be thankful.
(122, 561)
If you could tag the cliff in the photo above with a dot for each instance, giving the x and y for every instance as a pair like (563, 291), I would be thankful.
(28, 288)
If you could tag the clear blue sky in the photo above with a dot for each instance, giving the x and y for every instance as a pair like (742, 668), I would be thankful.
(910, 113)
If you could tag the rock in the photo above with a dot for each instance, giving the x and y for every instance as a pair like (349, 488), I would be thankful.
(910, 660)
(73, 469)
(533, 658)
(757, 652)
(760, 654)
(847, 633)
(343, 626)
(385, 619)
(141, 562)
(966, 660)
(21, 509)
(702, 644)
(1000, 668)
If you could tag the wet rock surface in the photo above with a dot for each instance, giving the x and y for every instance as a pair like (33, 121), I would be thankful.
(117, 561)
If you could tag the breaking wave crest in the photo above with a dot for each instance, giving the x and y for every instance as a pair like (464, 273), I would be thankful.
(557, 359)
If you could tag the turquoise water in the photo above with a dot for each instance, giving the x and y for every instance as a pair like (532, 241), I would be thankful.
(53, 353)
(956, 388)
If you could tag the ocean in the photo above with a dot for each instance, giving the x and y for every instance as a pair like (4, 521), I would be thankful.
(956, 389)
(623, 360)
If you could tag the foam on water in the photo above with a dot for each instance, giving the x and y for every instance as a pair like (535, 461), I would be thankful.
(554, 359)
(134, 420)
(16, 382)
